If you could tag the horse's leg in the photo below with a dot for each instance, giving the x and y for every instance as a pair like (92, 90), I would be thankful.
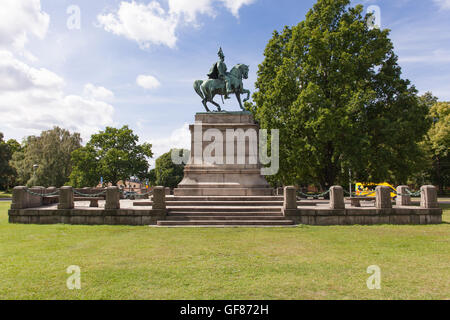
(208, 96)
(238, 96)
(216, 104)
(213, 94)
(248, 94)
(206, 107)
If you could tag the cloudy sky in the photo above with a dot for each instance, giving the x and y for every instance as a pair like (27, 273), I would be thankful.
(134, 62)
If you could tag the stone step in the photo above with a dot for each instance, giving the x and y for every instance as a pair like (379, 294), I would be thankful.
(224, 209)
(224, 213)
(225, 203)
(212, 189)
(232, 217)
(240, 223)
(143, 203)
(224, 198)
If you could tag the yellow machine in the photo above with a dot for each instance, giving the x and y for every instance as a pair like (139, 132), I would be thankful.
(368, 189)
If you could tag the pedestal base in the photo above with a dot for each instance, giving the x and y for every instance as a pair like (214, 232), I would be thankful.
(225, 179)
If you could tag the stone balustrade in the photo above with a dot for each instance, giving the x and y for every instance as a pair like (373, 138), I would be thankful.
(27, 207)
(383, 212)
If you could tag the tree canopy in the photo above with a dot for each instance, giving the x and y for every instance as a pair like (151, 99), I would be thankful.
(7, 173)
(333, 87)
(45, 160)
(166, 173)
(113, 154)
(438, 141)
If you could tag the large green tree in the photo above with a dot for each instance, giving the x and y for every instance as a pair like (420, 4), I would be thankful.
(438, 140)
(7, 173)
(45, 160)
(113, 154)
(333, 87)
(166, 173)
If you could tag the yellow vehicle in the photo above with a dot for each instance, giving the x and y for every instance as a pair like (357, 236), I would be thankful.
(368, 189)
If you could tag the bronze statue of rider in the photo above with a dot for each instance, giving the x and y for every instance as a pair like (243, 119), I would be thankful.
(219, 71)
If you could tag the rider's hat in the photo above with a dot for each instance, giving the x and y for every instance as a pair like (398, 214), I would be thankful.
(220, 53)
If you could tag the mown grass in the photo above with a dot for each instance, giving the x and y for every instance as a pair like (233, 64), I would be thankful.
(304, 262)
(5, 195)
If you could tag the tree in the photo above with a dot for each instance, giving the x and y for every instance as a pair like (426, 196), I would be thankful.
(113, 154)
(438, 139)
(86, 171)
(166, 173)
(333, 87)
(6, 171)
(46, 160)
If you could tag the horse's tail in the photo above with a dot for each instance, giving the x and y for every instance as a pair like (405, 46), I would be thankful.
(198, 88)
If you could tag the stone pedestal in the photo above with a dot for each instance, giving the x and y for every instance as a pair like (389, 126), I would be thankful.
(19, 198)
(224, 157)
(112, 198)
(337, 198)
(383, 197)
(159, 198)
(290, 198)
(66, 198)
(429, 197)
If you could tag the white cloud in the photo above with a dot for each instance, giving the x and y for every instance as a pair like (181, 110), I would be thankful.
(98, 93)
(149, 24)
(235, 5)
(190, 9)
(33, 99)
(18, 20)
(145, 24)
(443, 4)
(180, 138)
(148, 82)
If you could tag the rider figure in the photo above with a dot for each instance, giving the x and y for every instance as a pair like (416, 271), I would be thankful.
(219, 71)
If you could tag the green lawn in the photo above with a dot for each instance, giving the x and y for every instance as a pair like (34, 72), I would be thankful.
(5, 195)
(241, 263)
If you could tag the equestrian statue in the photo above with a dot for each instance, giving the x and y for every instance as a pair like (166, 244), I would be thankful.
(221, 82)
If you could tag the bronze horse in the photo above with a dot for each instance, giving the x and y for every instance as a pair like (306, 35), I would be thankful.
(208, 89)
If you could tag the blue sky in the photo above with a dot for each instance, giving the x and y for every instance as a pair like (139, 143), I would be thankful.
(84, 79)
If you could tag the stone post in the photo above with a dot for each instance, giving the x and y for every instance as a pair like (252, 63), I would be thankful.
(159, 198)
(383, 197)
(428, 197)
(66, 198)
(337, 198)
(290, 198)
(167, 191)
(19, 198)
(403, 198)
(112, 198)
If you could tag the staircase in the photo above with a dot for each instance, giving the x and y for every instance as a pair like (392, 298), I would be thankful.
(221, 211)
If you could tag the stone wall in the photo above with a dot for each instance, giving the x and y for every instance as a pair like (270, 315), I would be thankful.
(383, 212)
(365, 216)
(86, 216)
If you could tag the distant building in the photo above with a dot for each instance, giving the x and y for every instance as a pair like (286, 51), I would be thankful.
(133, 185)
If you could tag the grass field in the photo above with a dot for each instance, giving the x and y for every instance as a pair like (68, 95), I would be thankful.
(5, 195)
(304, 262)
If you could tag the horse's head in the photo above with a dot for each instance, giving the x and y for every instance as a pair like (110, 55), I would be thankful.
(244, 69)
(240, 71)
